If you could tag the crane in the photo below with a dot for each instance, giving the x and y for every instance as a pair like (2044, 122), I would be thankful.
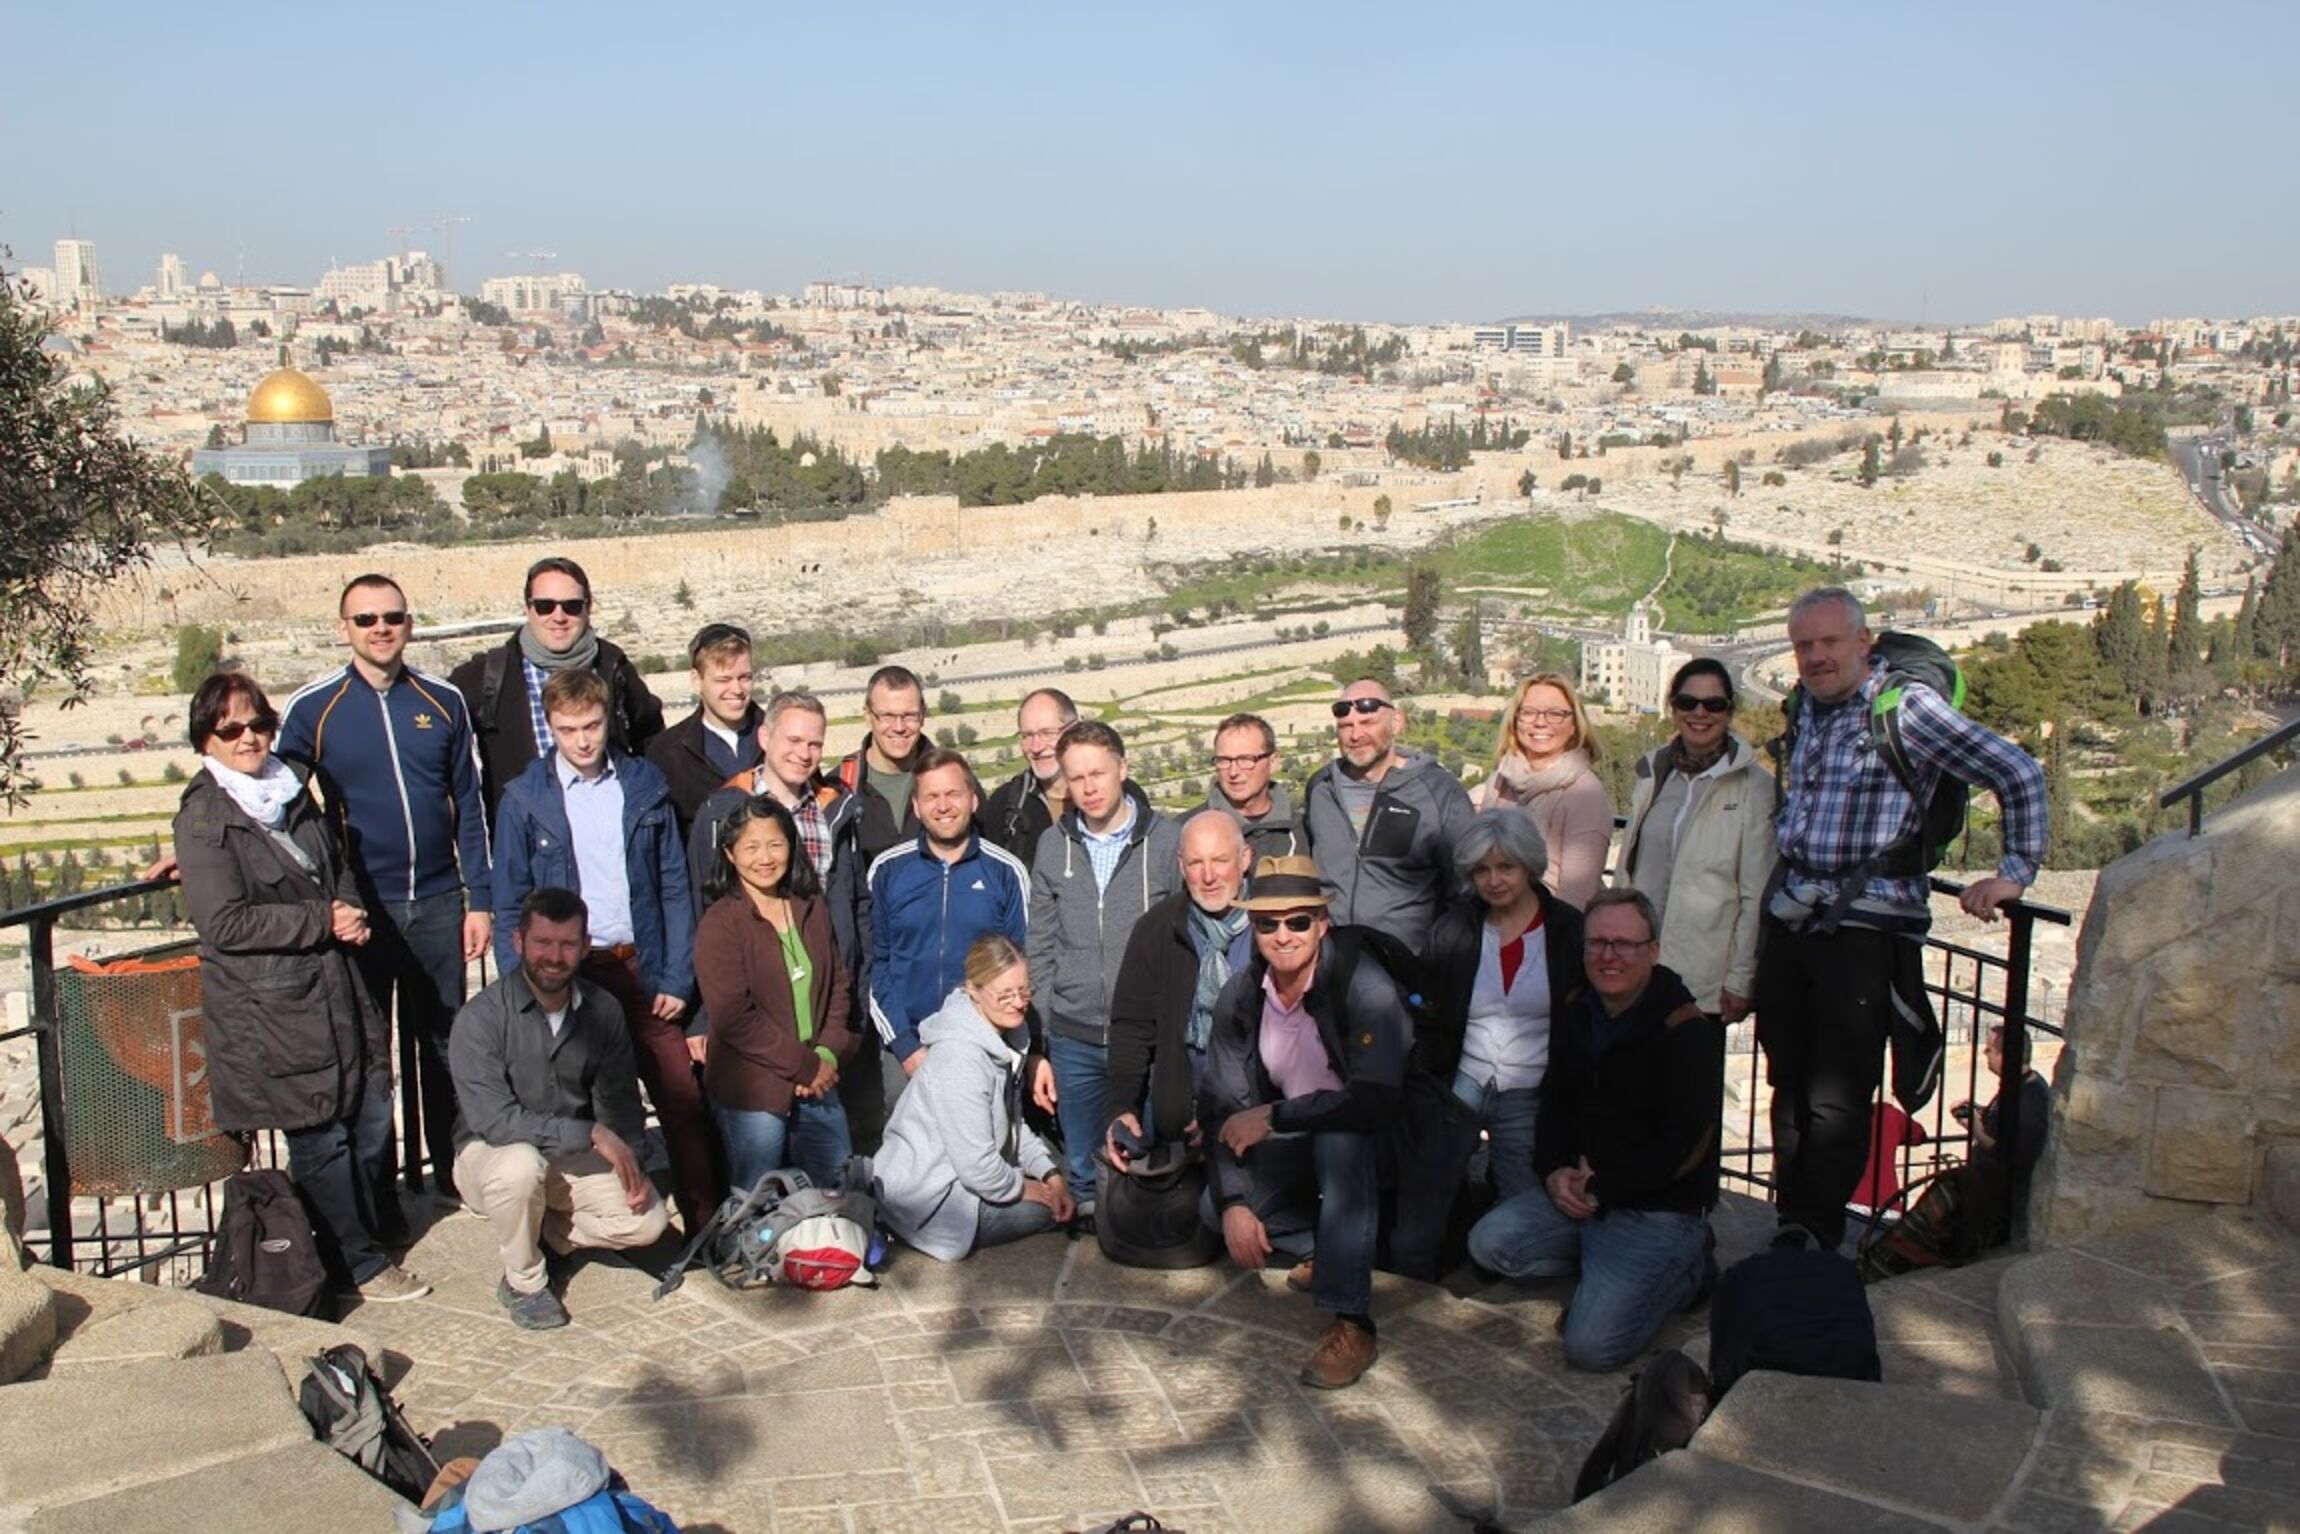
(445, 224)
(541, 258)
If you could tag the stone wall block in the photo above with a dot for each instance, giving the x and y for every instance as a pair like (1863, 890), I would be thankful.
(2200, 1146)
(2145, 902)
(2199, 1026)
(2257, 846)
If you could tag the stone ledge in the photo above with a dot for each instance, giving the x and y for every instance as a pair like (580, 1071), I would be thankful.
(1690, 1490)
(290, 1339)
(294, 1489)
(27, 1321)
(2123, 1370)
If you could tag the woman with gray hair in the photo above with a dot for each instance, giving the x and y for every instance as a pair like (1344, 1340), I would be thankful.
(1497, 965)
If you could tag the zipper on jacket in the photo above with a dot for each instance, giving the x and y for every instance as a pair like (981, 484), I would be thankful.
(406, 810)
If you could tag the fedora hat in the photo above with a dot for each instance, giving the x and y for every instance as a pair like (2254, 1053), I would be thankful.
(1285, 883)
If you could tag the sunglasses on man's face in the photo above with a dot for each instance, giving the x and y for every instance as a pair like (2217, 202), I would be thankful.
(1298, 921)
(1686, 703)
(573, 607)
(238, 727)
(1344, 707)
(396, 618)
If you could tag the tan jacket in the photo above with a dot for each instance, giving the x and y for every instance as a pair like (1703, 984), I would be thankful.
(1725, 856)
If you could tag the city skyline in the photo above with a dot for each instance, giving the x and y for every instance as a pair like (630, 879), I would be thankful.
(1954, 168)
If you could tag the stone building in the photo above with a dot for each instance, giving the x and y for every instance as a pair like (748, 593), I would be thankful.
(289, 438)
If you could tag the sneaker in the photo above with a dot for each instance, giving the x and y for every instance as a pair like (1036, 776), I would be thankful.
(391, 1285)
(1303, 1275)
(1346, 1351)
(537, 1312)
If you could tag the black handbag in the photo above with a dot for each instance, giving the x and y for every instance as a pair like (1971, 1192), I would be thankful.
(1149, 1215)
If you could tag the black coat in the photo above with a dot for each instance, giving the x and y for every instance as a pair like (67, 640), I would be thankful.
(1450, 973)
(1015, 814)
(1150, 1018)
(1641, 1095)
(292, 1035)
(682, 753)
(506, 730)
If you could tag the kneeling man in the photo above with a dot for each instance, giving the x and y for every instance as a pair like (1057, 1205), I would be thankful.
(1625, 1145)
(1305, 1074)
(550, 1111)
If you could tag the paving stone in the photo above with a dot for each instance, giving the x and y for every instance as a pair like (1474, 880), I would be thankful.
(844, 1490)
(287, 1490)
(2146, 1373)
(2033, 1512)
(753, 1440)
(1008, 1374)
(2076, 1288)
(1969, 1366)
(1092, 1278)
(1323, 1499)
(1018, 1272)
(1082, 1486)
(1686, 1490)
(2213, 1246)
(939, 1515)
(848, 1368)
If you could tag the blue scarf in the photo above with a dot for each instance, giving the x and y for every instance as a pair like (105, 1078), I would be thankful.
(1213, 937)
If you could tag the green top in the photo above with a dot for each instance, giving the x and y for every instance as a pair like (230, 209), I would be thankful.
(893, 787)
(802, 973)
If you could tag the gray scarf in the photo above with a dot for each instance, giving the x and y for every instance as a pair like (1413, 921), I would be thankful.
(577, 657)
(1212, 937)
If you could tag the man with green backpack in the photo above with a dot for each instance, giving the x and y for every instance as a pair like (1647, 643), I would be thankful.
(1874, 766)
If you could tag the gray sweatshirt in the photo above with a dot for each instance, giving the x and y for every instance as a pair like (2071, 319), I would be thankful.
(1078, 931)
(1397, 873)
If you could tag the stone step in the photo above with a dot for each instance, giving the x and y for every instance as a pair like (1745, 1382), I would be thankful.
(27, 1320)
(1691, 1491)
(110, 1313)
(295, 1489)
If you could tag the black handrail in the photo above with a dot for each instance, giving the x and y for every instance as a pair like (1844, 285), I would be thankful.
(64, 905)
(2192, 789)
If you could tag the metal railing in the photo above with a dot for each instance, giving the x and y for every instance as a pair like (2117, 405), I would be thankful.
(2192, 788)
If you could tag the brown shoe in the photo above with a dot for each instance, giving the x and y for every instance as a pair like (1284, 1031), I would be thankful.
(1346, 1351)
(1302, 1275)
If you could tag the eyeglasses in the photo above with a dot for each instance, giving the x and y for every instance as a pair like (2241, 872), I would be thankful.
(390, 620)
(238, 727)
(1042, 735)
(1019, 996)
(1624, 946)
(1293, 921)
(1544, 715)
(1344, 707)
(1241, 763)
(914, 716)
(573, 607)
(1686, 703)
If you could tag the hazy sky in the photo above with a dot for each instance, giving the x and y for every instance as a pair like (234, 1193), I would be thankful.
(1404, 161)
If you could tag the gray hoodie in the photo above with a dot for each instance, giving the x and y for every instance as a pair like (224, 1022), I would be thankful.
(1271, 834)
(957, 1140)
(1397, 874)
(1078, 932)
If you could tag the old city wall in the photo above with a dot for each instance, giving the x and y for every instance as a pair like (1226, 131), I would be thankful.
(2182, 1072)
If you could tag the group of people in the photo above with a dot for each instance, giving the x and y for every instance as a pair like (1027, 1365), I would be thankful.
(1347, 1009)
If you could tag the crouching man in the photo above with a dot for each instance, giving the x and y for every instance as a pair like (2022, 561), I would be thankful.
(1625, 1145)
(550, 1111)
(1304, 1076)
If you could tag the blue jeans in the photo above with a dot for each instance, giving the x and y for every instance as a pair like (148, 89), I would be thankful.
(759, 1142)
(1637, 1266)
(343, 1170)
(1082, 1094)
(1319, 1195)
(416, 953)
(1508, 1117)
(998, 1224)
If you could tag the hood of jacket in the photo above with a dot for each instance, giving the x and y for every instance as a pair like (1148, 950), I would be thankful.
(960, 1023)
(1409, 777)
(1281, 813)
(1739, 757)
(1073, 824)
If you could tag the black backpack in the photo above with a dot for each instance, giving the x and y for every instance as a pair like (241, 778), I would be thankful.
(1665, 1402)
(351, 1412)
(1795, 1311)
(265, 1253)
(1148, 1217)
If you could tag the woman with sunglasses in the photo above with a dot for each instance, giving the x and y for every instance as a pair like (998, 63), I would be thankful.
(1544, 764)
(294, 1042)
(1700, 841)
(775, 993)
(959, 1169)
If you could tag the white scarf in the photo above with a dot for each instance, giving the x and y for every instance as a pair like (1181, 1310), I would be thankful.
(265, 796)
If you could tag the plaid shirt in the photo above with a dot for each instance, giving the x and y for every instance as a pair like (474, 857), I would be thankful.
(1841, 804)
(535, 680)
(811, 814)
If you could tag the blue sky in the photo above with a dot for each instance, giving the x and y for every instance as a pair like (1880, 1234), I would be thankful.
(1376, 161)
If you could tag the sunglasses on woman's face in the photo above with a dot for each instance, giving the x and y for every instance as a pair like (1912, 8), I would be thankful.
(1686, 703)
(1298, 921)
(572, 606)
(390, 620)
(238, 727)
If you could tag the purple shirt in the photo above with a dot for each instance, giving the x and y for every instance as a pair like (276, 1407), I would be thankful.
(1292, 1052)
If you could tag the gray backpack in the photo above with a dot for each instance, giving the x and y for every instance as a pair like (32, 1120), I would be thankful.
(785, 1230)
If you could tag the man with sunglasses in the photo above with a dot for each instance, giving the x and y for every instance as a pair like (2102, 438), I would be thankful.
(1244, 786)
(1626, 1145)
(395, 755)
(1382, 822)
(1305, 1074)
(720, 739)
(505, 684)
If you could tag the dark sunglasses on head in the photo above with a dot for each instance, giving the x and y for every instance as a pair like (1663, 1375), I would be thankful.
(238, 727)
(1344, 707)
(572, 606)
(1686, 703)
(1293, 921)
(710, 636)
(396, 618)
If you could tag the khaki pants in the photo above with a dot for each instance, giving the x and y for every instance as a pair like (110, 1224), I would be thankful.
(562, 1202)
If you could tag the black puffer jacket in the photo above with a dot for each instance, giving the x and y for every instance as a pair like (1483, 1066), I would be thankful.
(292, 1034)
(506, 730)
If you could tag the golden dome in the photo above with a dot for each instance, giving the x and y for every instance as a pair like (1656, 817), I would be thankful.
(287, 397)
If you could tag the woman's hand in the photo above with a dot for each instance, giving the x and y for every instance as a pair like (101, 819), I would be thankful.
(349, 923)
(826, 1081)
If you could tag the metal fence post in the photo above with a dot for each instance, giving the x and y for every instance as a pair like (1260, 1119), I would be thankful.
(48, 1046)
(2016, 1034)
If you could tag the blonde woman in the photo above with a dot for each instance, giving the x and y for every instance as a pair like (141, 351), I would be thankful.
(1545, 765)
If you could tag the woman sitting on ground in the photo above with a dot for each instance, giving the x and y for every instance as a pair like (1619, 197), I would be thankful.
(959, 1169)
(1544, 764)
(776, 996)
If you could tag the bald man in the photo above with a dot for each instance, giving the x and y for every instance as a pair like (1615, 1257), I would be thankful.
(1382, 822)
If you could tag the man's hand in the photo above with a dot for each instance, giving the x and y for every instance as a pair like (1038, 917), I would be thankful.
(1241, 1132)
(698, 1047)
(669, 1008)
(1042, 1084)
(912, 1061)
(165, 868)
(1245, 1236)
(1982, 897)
(478, 933)
(638, 1193)
(1731, 1006)
(349, 923)
(1569, 1191)
(1120, 1158)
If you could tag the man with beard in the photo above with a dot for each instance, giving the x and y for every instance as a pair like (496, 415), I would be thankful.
(1382, 822)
